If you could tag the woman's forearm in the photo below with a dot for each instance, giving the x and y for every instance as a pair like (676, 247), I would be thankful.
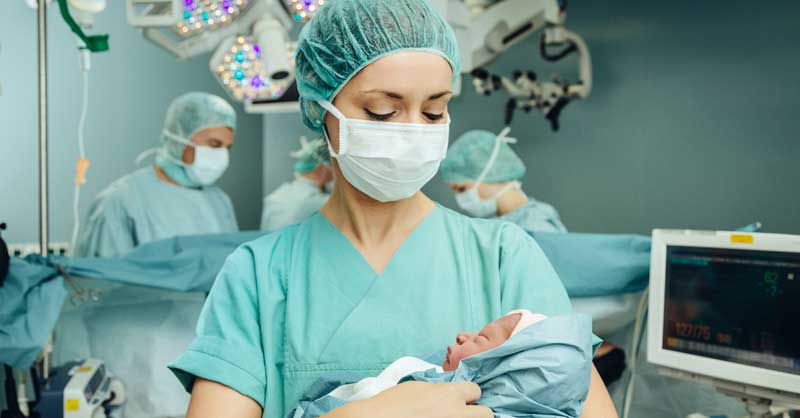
(350, 410)
(598, 402)
(215, 400)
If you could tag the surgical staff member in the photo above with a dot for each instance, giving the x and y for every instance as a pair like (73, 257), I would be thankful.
(134, 331)
(484, 172)
(298, 199)
(175, 196)
(381, 271)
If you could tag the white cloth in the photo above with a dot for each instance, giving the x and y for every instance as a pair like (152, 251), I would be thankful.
(291, 203)
(389, 377)
(610, 314)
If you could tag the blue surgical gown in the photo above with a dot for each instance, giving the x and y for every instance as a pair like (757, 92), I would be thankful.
(536, 216)
(137, 331)
(291, 203)
(140, 208)
(302, 302)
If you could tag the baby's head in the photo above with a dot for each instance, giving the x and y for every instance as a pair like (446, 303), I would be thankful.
(492, 335)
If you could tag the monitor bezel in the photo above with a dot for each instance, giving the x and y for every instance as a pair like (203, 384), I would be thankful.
(695, 364)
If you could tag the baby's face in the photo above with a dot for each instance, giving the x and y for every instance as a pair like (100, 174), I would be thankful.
(468, 344)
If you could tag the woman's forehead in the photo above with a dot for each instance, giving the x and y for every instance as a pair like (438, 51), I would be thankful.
(408, 73)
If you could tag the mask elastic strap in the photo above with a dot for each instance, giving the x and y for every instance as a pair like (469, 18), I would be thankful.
(161, 151)
(509, 186)
(331, 108)
(146, 153)
(342, 132)
(502, 138)
(155, 150)
(177, 138)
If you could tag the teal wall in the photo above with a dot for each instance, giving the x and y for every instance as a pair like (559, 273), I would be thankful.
(693, 121)
(131, 87)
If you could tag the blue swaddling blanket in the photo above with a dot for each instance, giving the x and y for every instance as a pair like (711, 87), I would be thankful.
(542, 372)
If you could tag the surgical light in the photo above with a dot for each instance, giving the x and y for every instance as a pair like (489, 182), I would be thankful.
(303, 10)
(253, 56)
(205, 15)
(240, 67)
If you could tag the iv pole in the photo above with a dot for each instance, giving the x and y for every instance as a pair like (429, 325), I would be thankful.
(41, 28)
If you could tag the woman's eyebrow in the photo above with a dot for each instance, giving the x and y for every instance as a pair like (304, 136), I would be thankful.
(399, 96)
(440, 95)
(391, 94)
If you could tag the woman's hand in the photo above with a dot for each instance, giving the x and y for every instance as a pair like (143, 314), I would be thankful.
(419, 400)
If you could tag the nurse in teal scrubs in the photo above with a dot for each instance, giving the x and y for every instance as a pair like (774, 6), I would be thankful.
(381, 271)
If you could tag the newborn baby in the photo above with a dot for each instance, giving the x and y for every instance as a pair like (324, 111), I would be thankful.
(526, 365)
(492, 335)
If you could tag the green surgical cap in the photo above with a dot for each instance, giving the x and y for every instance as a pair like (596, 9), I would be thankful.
(347, 35)
(311, 155)
(468, 156)
(191, 113)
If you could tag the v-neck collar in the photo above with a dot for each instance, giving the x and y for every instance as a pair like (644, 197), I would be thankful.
(344, 243)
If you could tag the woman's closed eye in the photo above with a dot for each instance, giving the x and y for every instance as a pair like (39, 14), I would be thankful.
(379, 116)
(433, 116)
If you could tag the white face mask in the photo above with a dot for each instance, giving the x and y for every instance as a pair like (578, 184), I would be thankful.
(388, 161)
(471, 202)
(209, 165)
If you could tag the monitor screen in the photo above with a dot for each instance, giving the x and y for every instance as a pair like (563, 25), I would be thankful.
(734, 305)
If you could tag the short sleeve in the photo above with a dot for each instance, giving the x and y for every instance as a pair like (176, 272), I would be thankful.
(528, 280)
(228, 346)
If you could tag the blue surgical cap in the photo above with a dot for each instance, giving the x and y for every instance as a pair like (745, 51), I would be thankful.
(191, 113)
(311, 155)
(468, 156)
(347, 35)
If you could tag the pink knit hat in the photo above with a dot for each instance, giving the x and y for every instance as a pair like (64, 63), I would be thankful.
(527, 319)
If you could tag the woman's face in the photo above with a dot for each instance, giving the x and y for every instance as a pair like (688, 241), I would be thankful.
(406, 87)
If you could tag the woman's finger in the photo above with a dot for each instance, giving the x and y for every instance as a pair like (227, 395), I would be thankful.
(469, 391)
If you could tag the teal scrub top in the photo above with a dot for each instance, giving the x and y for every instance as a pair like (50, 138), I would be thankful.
(302, 302)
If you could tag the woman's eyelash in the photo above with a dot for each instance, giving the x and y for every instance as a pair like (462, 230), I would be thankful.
(433, 116)
(378, 116)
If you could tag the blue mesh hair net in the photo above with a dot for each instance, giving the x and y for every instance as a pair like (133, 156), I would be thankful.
(469, 154)
(347, 35)
(191, 113)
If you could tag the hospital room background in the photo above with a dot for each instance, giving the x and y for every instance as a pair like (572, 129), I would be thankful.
(692, 121)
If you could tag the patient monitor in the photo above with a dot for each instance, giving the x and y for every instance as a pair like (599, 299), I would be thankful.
(724, 310)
